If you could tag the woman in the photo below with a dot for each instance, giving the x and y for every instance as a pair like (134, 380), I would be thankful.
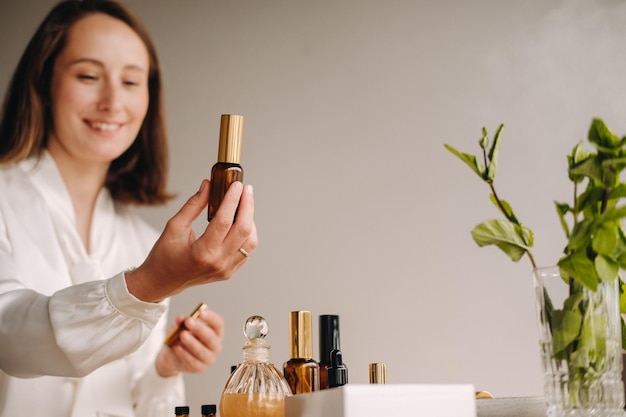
(84, 283)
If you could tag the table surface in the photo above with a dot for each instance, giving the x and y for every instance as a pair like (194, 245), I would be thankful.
(511, 407)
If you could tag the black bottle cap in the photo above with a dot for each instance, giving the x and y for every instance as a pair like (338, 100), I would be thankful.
(329, 336)
(181, 411)
(337, 373)
(208, 409)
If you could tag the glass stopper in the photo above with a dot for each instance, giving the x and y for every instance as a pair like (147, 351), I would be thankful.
(255, 328)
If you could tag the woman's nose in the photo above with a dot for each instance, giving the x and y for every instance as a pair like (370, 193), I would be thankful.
(110, 97)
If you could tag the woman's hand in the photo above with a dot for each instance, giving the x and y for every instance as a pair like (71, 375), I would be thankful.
(197, 346)
(179, 260)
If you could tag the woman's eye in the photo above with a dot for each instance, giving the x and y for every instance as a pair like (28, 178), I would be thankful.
(87, 77)
(130, 83)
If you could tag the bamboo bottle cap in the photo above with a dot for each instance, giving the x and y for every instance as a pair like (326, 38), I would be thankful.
(378, 373)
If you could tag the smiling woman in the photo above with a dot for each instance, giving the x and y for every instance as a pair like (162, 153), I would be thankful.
(99, 99)
(82, 139)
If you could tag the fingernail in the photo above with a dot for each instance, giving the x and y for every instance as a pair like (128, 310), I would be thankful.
(202, 185)
(249, 189)
(238, 185)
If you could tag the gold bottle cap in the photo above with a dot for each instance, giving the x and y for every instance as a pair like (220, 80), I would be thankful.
(378, 373)
(300, 334)
(231, 131)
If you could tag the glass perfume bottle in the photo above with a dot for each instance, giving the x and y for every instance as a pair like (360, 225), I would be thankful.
(227, 169)
(255, 388)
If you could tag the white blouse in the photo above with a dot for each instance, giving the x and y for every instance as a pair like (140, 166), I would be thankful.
(73, 340)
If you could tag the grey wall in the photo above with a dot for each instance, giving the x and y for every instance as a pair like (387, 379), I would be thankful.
(361, 212)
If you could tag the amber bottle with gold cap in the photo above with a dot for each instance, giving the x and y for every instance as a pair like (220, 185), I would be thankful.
(227, 169)
(301, 371)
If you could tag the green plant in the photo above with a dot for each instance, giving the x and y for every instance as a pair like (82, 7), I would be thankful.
(596, 243)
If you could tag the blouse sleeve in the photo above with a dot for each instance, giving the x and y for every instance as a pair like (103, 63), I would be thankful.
(75, 330)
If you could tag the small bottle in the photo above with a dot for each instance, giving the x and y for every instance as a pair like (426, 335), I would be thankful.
(255, 388)
(208, 410)
(227, 169)
(378, 373)
(301, 371)
(329, 341)
(182, 411)
(337, 373)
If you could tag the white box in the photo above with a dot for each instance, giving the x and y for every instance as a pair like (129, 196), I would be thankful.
(388, 400)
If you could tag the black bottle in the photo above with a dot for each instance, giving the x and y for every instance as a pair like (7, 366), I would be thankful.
(329, 341)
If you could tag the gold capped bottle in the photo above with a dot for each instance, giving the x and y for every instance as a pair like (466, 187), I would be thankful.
(255, 388)
(301, 371)
(227, 169)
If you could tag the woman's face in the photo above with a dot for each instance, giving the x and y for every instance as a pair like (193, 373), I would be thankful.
(99, 91)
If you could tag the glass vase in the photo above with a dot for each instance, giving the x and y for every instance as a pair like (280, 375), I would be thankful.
(580, 346)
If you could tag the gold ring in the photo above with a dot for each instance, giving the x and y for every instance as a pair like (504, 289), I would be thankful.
(244, 252)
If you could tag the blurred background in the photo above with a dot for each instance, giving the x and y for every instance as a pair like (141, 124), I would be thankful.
(360, 210)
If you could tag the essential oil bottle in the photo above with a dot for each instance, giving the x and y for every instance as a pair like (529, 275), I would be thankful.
(329, 341)
(182, 411)
(301, 371)
(227, 169)
(208, 410)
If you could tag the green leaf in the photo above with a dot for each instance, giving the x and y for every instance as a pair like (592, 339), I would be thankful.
(578, 266)
(510, 238)
(508, 211)
(470, 160)
(562, 209)
(605, 239)
(579, 154)
(590, 168)
(566, 325)
(484, 140)
(580, 236)
(590, 199)
(602, 137)
(493, 155)
(593, 333)
(613, 214)
(618, 192)
(606, 268)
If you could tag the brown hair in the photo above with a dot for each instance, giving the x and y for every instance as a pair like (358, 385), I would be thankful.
(139, 175)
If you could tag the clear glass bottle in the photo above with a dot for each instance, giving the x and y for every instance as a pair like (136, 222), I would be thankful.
(255, 388)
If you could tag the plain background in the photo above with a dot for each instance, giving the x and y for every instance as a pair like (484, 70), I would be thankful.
(360, 210)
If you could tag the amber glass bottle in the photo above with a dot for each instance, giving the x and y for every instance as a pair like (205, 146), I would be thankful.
(208, 410)
(227, 169)
(301, 371)
(182, 411)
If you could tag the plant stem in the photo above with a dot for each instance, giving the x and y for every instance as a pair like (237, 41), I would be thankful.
(511, 219)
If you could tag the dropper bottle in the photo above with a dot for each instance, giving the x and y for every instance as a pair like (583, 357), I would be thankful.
(227, 169)
(329, 341)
